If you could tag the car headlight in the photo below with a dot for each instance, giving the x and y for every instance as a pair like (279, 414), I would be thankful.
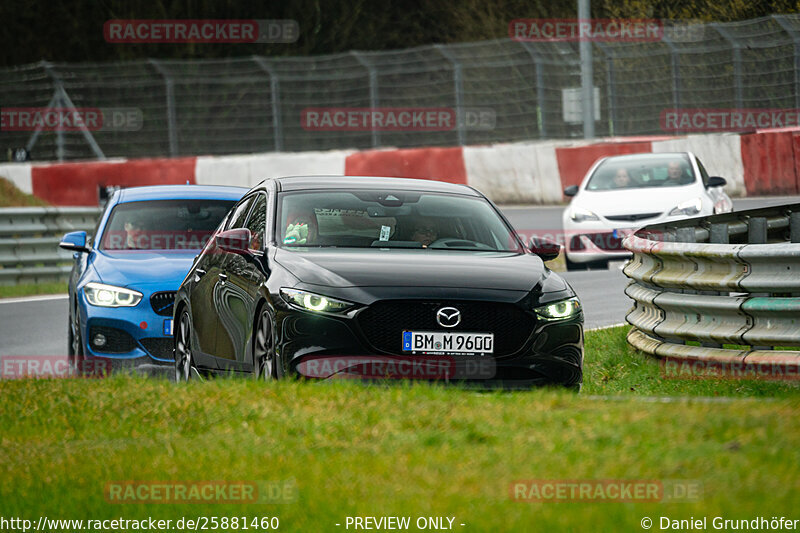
(560, 310)
(688, 208)
(103, 295)
(580, 214)
(315, 302)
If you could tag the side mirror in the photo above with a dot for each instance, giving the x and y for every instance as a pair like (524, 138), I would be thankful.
(545, 248)
(236, 241)
(74, 242)
(572, 190)
(716, 181)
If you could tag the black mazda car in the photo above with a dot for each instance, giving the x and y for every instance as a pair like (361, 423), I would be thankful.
(330, 277)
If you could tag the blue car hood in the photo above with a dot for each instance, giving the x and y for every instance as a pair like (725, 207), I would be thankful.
(138, 267)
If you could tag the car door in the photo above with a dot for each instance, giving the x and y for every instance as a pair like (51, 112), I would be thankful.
(233, 304)
(207, 292)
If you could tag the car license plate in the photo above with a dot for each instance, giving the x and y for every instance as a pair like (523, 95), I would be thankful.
(168, 327)
(448, 342)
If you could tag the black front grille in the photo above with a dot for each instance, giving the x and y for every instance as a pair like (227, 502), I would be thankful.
(383, 323)
(162, 302)
(160, 347)
(633, 218)
(116, 340)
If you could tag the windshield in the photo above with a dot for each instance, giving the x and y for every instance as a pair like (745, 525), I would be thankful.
(391, 219)
(638, 172)
(163, 224)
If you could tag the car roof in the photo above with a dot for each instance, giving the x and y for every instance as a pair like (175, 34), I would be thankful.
(299, 183)
(181, 192)
(647, 155)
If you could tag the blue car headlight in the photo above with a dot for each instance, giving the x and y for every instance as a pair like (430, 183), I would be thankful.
(315, 302)
(560, 310)
(103, 295)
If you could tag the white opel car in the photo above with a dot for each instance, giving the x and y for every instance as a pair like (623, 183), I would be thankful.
(623, 193)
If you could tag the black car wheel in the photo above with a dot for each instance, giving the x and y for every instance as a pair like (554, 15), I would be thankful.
(74, 344)
(183, 350)
(264, 348)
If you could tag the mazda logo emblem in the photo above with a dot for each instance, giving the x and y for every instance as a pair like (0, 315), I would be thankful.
(448, 317)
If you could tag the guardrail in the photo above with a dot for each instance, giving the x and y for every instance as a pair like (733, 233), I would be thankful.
(29, 238)
(721, 288)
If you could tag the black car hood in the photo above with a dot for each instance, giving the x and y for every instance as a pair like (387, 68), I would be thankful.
(358, 267)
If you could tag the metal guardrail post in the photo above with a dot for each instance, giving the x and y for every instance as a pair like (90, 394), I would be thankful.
(172, 122)
(757, 230)
(720, 233)
(373, 92)
(275, 97)
(458, 85)
(794, 227)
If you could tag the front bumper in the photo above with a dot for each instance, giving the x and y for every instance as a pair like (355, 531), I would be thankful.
(331, 348)
(135, 333)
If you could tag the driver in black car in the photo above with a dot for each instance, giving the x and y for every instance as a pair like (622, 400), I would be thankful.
(425, 231)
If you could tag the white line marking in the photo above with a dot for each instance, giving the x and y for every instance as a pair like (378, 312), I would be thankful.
(34, 298)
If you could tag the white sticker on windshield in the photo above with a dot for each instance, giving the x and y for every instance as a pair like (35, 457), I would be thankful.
(385, 231)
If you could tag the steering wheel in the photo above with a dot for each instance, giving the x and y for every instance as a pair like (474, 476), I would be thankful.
(449, 242)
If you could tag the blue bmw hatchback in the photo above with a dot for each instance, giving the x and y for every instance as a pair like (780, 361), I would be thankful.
(123, 282)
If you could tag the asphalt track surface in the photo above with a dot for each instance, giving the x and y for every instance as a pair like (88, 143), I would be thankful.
(38, 325)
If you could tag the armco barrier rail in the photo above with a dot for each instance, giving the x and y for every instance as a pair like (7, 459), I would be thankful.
(29, 238)
(721, 288)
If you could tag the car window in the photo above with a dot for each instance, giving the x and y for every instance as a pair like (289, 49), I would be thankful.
(400, 219)
(239, 215)
(257, 222)
(163, 224)
(642, 171)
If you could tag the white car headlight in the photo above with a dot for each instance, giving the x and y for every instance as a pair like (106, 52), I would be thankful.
(579, 214)
(688, 208)
(560, 310)
(103, 295)
(315, 302)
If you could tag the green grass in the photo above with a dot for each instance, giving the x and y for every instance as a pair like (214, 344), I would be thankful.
(612, 366)
(12, 291)
(405, 450)
(11, 196)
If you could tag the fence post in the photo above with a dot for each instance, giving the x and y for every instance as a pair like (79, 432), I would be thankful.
(676, 73)
(373, 92)
(458, 84)
(796, 40)
(540, 98)
(171, 120)
(611, 86)
(737, 62)
(275, 96)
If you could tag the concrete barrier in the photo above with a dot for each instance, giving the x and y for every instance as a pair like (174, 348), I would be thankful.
(761, 163)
